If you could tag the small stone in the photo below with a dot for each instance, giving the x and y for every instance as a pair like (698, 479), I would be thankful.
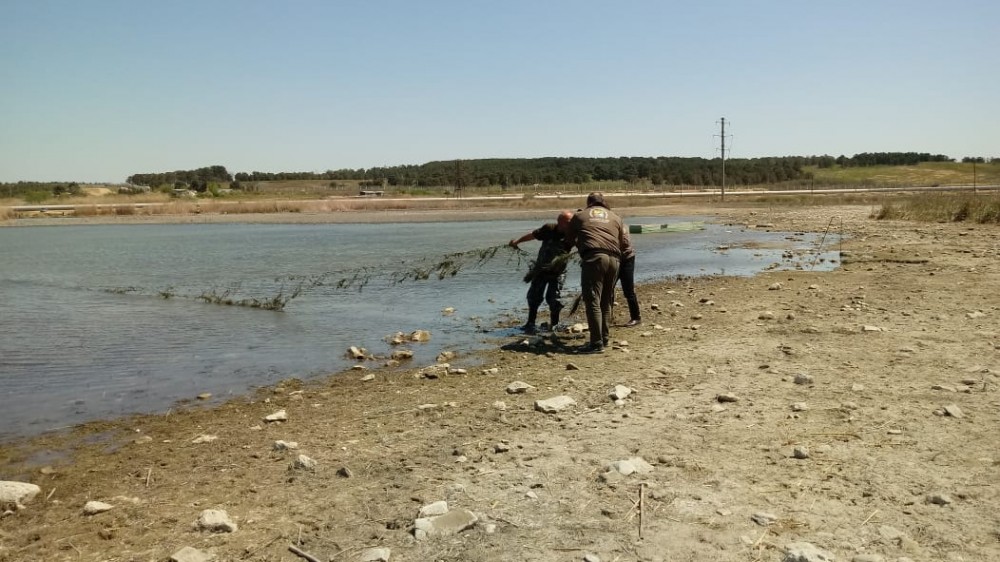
(95, 507)
(954, 411)
(803, 378)
(763, 519)
(518, 387)
(727, 397)
(280, 415)
(216, 520)
(190, 554)
(304, 463)
(380, 554)
(939, 499)
(800, 452)
(204, 396)
(436, 508)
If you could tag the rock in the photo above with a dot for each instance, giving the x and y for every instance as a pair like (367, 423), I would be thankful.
(766, 315)
(974, 314)
(500, 405)
(868, 558)
(806, 552)
(939, 499)
(217, 521)
(800, 452)
(591, 558)
(278, 416)
(620, 392)
(954, 411)
(356, 352)
(491, 371)
(303, 462)
(189, 554)
(142, 440)
(803, 378)
(448, 311)
(800, 407)
(16, 494)
(420, 336)
(727, 397)
(451, 523)
(774, 287)
(518, 387)
(501, 448)
(95, 507)
(401, 354)
(555, 404)
(368, 378)
(204, 439)
(763, 518)
(344, 472)
(380, 554)
(436, 508)
(284, 445)
(204, 396)
(572, 367)
(445, 356)
(869, 328)
(634, 465)
(457, 371)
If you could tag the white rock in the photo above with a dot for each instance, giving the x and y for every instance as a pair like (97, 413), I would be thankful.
(280, 415)
(216, 520)
(190, 554)
(304, 463)
(518, 387)
(204, 439)
(16, 494)
(555, 404)
(806, 552)
(380, 554)
(436, 508)
(620, 392)
(95, 507)
(285, 445)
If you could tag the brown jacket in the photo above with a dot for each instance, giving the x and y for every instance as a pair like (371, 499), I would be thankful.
(597, 229)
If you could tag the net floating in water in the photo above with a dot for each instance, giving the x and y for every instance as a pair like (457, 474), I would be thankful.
(665, 227)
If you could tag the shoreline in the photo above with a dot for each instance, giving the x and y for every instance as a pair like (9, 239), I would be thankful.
(910, 308)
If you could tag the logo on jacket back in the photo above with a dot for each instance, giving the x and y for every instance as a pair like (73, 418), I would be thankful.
(598, 213)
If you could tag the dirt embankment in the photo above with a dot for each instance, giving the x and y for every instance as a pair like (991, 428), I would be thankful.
(855, 410)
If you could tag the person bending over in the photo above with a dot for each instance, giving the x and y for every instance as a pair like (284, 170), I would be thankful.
(548, 272)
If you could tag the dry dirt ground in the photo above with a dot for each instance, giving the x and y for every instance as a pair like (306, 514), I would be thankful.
(882, 375)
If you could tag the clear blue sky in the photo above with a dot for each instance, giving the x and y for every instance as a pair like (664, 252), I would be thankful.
(96, 90)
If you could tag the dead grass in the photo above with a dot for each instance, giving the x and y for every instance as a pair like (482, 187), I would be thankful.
(944, 207)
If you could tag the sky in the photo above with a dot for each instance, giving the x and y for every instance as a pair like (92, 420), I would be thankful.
(98, 90)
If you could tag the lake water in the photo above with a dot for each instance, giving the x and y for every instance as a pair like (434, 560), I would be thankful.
(85, 333)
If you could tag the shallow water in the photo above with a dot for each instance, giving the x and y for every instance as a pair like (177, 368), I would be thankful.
(85, 333)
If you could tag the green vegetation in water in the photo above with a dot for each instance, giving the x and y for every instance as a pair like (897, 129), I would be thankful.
(293, 286)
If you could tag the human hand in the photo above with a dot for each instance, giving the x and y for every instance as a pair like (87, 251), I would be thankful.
(512, 243)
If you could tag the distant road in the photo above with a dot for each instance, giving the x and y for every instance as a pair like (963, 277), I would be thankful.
(576, 195)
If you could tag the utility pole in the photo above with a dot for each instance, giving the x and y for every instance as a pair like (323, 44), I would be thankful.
(723, 152)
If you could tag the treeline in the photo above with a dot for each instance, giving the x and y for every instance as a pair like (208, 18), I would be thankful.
(198, 180)
(656, 170)
(38, 189)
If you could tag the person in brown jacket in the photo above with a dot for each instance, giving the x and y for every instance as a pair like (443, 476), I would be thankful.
(599, 236)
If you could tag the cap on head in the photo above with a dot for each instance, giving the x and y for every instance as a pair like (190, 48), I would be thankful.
(596, 199)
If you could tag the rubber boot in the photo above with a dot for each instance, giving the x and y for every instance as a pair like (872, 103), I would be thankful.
(554, 316)
(529, 326)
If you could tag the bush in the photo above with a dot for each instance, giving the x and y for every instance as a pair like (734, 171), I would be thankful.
(35, 197)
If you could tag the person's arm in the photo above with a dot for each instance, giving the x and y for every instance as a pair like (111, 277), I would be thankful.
(529, 236)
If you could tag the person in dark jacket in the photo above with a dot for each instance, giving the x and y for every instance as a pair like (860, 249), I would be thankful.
(626, 274)
(599, 236)
(548, 273)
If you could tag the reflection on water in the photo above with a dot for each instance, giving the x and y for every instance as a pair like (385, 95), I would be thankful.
(85, 332)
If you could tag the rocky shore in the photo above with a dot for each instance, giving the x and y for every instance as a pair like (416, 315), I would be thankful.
(848, 415)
